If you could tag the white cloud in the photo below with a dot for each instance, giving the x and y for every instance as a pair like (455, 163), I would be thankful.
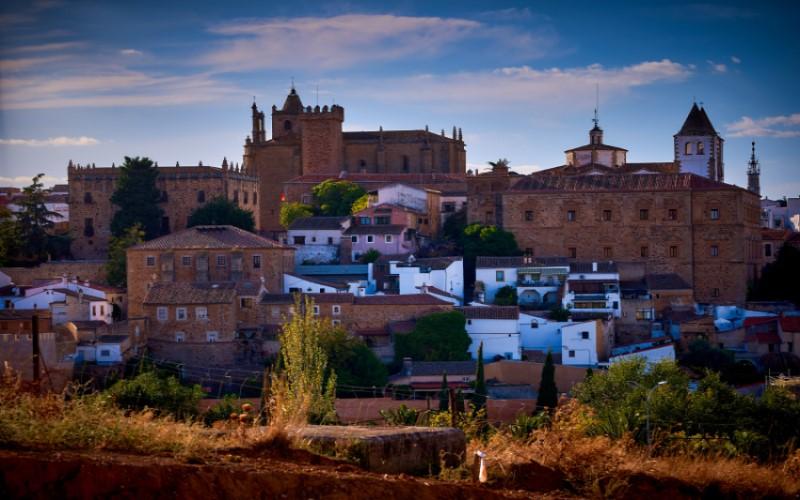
(524, 86)
(25, 180)
(347, 40)
(53, 141)
(717, 67)
(780, 126)
(130, 52)
(736, 60)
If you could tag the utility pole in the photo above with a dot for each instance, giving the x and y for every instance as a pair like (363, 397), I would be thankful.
(35, 335)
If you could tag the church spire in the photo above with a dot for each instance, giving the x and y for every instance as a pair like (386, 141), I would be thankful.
(754, 172)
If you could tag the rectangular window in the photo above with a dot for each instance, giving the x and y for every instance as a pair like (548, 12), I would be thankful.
(768, 250)
(256, 262)
(105, 353)
(673, 251)
(245, 193)
(180, 337)
(714, 214)
(246, 302)
(186, 260)
(644, 251)
(370, 238)
(364, 221)
(672, 214)
(354, 239)
(221, 260)
(571, 215)
(255, 198)
(584, 335)
(330, 240)
(528, 215)
(316, 310)
(644, 214)
(336, 310)
(500, 276)
(714, 251)
(715, 292)
(383, 219)
(572, 252)
(162, 313)
(644, 314)
(88, 227)
(488, 217)
(529, 252)
(299, 240)
(275, 312)
(387, 238)
(571, 354)
(150, 261)
(235, 196)
(180, 314)
(201, 313)
(608, 252)
(212, 337)
(534, 324)
(606, 215)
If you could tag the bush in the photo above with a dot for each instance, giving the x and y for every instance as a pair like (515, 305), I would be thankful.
(524, 425)
(402, 415)
(222, 410)
(506, 296)
(148, 390)
(369, 256)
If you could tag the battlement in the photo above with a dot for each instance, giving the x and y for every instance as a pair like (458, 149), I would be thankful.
(91, 172)
(335, 112)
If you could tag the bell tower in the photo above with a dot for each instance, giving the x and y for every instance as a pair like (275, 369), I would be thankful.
(754, 172)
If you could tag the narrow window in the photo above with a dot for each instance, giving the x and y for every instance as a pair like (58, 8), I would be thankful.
(701, 148)
(768, 250)
(687, 149)
(715, 292)
(255, 198)
(387, 238)
(316, 310)
(571, 215)
(714, 250)
(165, 225)
(528, 215)
(245, 193)
(529, 252)
(644, 251)
(405, 163)
(150, 261)
(88, 227)
(162, 313)
(672, 214)
(489, 217)
(236, 196)
(180, 313)
(572, 252)
(500, 276)
(608, 252)
(87, 197)
(212, 337)
(201, 196)
(370, 238)
(673, 251)
(256, 262)
(287, 125)
(643, 214)
(714, 214)
(336, 310)
(606, 215)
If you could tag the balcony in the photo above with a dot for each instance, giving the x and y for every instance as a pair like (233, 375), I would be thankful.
(522, 282)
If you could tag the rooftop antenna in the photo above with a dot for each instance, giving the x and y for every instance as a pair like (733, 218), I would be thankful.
(596, 103)
(292, 83)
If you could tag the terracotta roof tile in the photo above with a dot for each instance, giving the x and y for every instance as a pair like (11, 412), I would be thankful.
(399, 300)
(202, 237)
(191, 293)
(618, 183)
(490, 312)
(326, 223)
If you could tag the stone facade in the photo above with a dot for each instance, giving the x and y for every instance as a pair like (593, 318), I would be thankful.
(310, 141)
(704, 231)
(184, 189)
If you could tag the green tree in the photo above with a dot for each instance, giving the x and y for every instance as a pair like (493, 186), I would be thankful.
(360, 204)
(148, 390)
(334, 197)
(137, 198)
(548, 393)
(444, 394)
(436, 337)
(292, 211)
(354, 363)
(305, 386)
(779, 279)
(558, 313)
(117, 264)
(453, 228)
(222, 212)
(369, 256)
(489, 240)
(33, 222)
(9, 236)
(479, 399)
(506, 296)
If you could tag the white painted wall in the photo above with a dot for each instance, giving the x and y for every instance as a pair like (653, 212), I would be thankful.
(403, 195)
(315, 236)
(291, 281)
(499, 336)
(653, 355)
(450, 279)
(489, 278)
(547, 334)
(584, 349)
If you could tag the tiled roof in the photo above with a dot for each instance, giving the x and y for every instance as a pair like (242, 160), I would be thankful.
(410, 136)
(405, 326)
(321, 223)
(775, 234)
(669, 281)
(372, 332)
(277, 298)
(490, 312)
(22, 314)
(423, 368)
(599, 147)
(328, 281)
(519, 261)
(617, 183)
(438, 263)
(191, 293)
(438, 291)
(399, 300)
(209, 237)
(73, 293)
(318, 298)
(759, 320)
(376, 229)
(415, 180)
(113, 339)
(332, 269)
(697, 123)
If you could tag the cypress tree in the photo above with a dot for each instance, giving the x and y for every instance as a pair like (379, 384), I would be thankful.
(137, 198)
(444, 394)
(480, 383)
(548, 393)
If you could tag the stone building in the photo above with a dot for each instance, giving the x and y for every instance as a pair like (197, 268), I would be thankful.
(183, 188)
(309, 141)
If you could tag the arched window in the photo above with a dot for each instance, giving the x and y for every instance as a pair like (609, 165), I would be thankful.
(688, 148)
(701, 148)
(287, 125)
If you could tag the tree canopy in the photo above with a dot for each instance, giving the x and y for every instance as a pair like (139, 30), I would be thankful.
(354, 363)
(116, 266)
(336, 197)
(779, 279)
(293, 210)
(360, 204)
(137, 198)
(506, 296)
(548, 392)
(221, 212)
(489, 240)
(436, 337)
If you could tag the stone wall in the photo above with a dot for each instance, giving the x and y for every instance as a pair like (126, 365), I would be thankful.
(92, 270)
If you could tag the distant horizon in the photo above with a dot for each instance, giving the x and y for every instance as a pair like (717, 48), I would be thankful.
(174, 82)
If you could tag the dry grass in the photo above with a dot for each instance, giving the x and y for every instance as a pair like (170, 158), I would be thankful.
(586, 461)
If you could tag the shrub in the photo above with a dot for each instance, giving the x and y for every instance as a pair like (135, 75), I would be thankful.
(506, 296)
(524, 425)
(222, 410)
(402, 415)
(148, 390)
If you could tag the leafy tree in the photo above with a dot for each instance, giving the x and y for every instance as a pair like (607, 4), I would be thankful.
(558, 313)
(305, 385)
(489, 240)
(369, 256)
(137, 198)
(453, 228)
(33, 222)
(444, 394)
(335, 197)
(506, 296)
(117, 264)
(221, 212)
(148, 390)
(9, 236)
(480, 382)
(779, 278)
(354, 363)
(360, 204)
(548, 393)
(436, 337)
(292, 211)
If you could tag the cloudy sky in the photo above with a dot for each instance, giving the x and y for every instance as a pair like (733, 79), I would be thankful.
(96, 81)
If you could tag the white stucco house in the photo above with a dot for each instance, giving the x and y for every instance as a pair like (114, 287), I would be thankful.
(592, 288)
(537, 280)
(586, 343)
(497, 328)
(317, 239)
(438, 275)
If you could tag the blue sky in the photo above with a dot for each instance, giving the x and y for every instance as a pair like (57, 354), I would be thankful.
(96, 81)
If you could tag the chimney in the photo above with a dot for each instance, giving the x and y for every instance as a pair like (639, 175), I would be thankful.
(594, 267)
(407, 364)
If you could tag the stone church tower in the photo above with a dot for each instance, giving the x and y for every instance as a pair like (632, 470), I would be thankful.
(698, 147)
(754, 173)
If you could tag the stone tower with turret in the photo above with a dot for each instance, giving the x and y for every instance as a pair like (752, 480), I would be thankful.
(698, 146)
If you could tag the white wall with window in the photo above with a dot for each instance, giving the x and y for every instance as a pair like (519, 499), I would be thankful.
(539, 333)
(579, 343)
(414, 275)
